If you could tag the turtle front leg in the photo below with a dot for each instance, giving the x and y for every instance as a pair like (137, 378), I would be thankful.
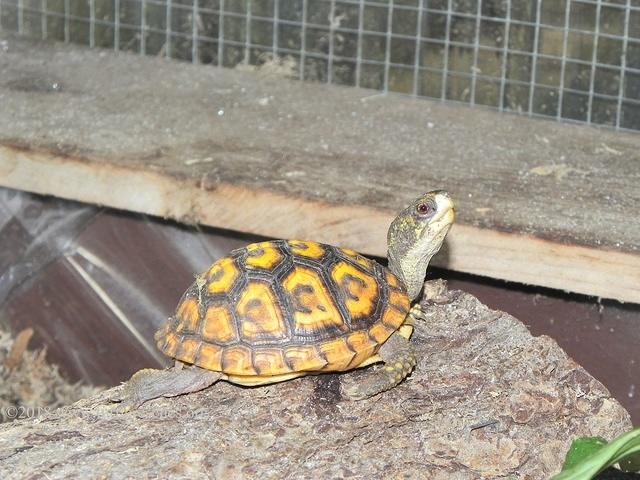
(149, 383)
(399, 359)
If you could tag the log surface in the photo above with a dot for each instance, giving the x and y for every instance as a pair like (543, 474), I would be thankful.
(539, 202)
(486, 400)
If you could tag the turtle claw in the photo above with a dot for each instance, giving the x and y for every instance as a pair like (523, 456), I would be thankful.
(124, 407)
(436, 292)
(124, 399)
(416, 313)
(354, 394)
(118, 395)
(354, 390)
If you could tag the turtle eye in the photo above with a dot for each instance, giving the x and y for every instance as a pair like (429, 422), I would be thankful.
(424, 209)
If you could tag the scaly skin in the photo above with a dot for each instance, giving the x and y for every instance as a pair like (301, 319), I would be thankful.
(149, 383)
(399, 360)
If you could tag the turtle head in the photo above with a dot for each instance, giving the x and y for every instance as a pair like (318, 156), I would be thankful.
(416, 235)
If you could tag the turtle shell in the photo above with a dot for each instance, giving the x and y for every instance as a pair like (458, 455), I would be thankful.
(280, 307)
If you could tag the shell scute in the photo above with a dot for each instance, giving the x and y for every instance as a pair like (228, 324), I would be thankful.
(393, 318)
(210, 357)
(168, 344)
(399, 300)
(222, 275)
(357, 258)
(219, 326)
(392, 280)
(380, 332)
(338, 354)
(237, 360)
(259, 313)
(301, 358)
(188, 315)
(263, 255)
(306, 249)
(188, 349)
(270, 361)
(360, 289)
(313, 309)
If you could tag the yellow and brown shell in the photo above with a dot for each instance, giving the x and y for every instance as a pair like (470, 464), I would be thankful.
(280, 307)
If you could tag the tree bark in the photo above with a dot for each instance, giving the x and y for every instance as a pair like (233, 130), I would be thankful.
(485, 400)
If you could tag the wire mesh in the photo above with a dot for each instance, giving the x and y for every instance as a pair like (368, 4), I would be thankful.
(575, 60)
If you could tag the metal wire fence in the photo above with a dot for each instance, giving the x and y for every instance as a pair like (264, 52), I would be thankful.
(576, 60)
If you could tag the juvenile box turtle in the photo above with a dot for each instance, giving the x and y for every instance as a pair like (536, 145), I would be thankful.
(277, 310)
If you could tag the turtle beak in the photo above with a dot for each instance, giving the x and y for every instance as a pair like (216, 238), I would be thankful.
(446, 209)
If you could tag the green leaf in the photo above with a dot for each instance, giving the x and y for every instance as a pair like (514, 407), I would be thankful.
(626, 447)
(580, 449)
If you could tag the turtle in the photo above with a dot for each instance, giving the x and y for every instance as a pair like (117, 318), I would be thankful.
(280, 309)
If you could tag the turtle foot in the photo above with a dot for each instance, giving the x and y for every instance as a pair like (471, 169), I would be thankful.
(148, 384)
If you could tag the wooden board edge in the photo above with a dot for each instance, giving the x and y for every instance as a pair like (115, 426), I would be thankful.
(506, 256)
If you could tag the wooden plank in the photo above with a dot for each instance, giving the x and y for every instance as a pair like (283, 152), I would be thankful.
(540, 203)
